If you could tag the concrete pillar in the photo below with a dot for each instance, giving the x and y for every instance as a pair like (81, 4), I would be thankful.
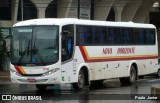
(118, 13)
(73, 9)
(63, 8)
(143, 11)
(102, 8)
(14, 10)
(147, 19)
(41, 7)
(41, 12)
(118, 8)
(130, 10)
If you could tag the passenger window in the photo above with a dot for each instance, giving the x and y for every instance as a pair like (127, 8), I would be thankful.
(110, 36)
(136, 36)
(84, 35)
(150, 36)
(98, 35)
(141, 37)
(152, 32)
(125, 36)
(117, 36)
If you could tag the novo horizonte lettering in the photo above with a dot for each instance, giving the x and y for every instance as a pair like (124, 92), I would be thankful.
(130, 50)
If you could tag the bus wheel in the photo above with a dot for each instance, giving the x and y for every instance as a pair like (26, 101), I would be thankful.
(132, 77)
(81, 80)
(41, 86)
(158, 74)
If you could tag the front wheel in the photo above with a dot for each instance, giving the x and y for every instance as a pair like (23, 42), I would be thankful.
(158, 73)
(81, 81)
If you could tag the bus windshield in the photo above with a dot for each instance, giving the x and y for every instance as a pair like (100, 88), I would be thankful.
(36, 45)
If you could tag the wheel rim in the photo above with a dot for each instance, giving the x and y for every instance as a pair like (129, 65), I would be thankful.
(81, 79)
(133, 75)
(158, 73)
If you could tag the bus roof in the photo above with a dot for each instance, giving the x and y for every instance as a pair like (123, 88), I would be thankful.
(65, 21)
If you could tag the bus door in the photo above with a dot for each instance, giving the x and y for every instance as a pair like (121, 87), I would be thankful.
(67, 45)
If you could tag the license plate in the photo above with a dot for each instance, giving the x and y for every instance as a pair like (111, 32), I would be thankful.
(31, 80)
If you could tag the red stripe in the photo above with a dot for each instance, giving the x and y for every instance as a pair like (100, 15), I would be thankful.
(18, 70)
(83, 53)
(112, 59)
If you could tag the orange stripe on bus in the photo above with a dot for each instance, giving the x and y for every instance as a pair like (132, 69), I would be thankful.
(22, 70)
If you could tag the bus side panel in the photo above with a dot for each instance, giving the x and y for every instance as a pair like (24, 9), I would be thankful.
(120, 69)
(115, 61)
(151, 66)
(151, 63)
(91, 69)
(107, 69)
(141, 66)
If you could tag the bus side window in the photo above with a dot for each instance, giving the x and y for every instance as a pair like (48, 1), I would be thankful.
(142, 36)
(111, 36)
(117, 36)
(150, 36)
(125, 36)
(98, 35)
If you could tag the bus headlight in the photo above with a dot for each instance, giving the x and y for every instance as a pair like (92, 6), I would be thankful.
(51, 71)
(14, 72)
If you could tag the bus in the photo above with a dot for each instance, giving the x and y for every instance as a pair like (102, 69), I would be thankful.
(81, 52)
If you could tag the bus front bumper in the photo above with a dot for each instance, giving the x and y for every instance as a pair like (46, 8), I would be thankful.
(54, 78)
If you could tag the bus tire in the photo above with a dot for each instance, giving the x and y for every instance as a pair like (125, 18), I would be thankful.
(132, 78)
(41, 86)
(81, 81)
(158, 74)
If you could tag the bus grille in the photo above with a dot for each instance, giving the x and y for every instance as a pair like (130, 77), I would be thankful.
(25, 81)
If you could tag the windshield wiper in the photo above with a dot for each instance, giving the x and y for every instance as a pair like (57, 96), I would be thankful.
(26, 49)
(35, 52)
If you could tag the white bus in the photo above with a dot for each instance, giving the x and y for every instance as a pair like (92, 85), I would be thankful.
(81, 52)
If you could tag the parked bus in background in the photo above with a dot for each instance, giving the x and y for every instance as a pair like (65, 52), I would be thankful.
(81, 52)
